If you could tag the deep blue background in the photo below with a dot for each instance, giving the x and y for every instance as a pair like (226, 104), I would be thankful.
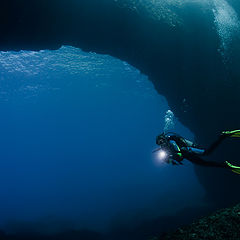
(76, 134)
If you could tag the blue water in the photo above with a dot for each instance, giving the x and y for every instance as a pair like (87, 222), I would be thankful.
(77, 132)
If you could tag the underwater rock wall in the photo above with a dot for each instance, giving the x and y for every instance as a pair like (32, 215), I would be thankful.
(224, 224)
(189, 49)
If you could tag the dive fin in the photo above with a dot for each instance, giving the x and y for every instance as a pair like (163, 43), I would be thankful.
(234, 169)
(234, 133)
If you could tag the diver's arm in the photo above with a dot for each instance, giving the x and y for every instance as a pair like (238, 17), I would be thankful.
(181, 141)
(176, 153)
(175, 160)
(189, 143)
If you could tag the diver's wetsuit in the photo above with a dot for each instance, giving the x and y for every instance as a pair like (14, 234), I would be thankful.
(192, 152)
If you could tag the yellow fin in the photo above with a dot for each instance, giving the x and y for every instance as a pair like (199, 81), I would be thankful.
(236, 171)
(234, 133)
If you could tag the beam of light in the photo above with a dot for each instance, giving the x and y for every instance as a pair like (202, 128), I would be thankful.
(162, 156)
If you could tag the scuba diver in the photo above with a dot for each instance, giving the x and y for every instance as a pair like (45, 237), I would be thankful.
(174, 148)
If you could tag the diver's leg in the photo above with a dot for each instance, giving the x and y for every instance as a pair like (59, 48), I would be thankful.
(214, 145)
(199, 161)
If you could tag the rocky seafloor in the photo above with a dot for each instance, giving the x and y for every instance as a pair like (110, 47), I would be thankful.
(221, 225)
(224, 224)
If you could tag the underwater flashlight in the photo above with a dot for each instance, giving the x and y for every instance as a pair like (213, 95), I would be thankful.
(162, 155)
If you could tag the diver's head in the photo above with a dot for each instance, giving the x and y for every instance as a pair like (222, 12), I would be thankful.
(161, 139)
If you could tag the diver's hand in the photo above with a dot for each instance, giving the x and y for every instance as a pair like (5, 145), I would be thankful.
(176, 162)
